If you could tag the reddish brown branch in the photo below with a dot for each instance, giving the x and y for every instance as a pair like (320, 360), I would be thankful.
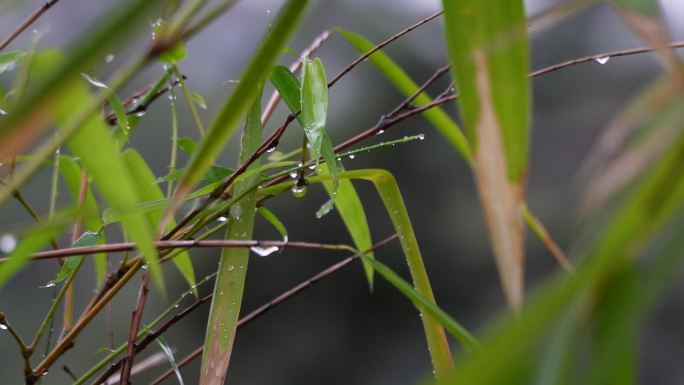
(131, 350)
(27, 23)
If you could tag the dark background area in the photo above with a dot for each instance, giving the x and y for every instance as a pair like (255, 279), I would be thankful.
(338, 332)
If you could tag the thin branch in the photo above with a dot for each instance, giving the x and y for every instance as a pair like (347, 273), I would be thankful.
(23, 348)
(407, 104)
(128, 358)
(381, 46)
(603, 56)
(27, 23)
(184, 244)
(280, 299)
(151, 337)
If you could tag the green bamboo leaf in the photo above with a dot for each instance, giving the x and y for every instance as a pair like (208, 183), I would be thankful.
(345, 198)
(123, 123)
(314, 115)
(99, 154)
(391, 197)
(353, 214)
(9, 60)
(398, 77)
(238, 102)
(174, 54)
(188, 145)
(149, 190)
(488, 49)
(33, 241)
(288, 87)
(232, 269)
(168, 353)
(424, 305)
(71, 264)
(72, 174)
(199, 100)
(273, 220)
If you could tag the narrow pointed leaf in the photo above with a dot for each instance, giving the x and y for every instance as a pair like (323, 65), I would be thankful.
(288, 87)
(99, 153)
(387, 188)
(487, 45)
(168, 353)
(232, 269)
(273, 220)
(71, 264)
(187, 145)
(72, 174)
(469, 342)
(314, 115)
(9, 60)
(148, 190)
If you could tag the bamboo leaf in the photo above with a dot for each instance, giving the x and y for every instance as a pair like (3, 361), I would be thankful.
(273, 220)
(72, 174)
(398, 77)
(99, 154)
(9, 60)
(424, 305)
(168, 353)
(488, 48)
(236, 105)
(199, 100)
(314, 115)
(288, 87)
(149, 190)
(187, 145)
(388, 190)
(232, 269)
(71, 264)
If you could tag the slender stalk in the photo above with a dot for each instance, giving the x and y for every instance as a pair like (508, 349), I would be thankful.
(188, 99)
(128, 358)
(174, 139)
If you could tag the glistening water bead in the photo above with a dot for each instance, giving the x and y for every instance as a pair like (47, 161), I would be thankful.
(298, 191)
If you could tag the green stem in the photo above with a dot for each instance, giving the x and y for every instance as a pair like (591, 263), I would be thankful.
(188, 99)
(174, 138)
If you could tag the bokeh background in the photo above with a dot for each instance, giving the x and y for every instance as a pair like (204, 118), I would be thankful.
(338, 332)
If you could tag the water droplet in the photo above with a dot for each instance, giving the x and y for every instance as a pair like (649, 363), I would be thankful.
(298, 191)
(264, 251)
(8, 243)
(145, 267)
(271, 149)
(300, 164)
(236, 212)
(135, 101)
(285, 238)
(380, 132)
(3, 327)
(293, 174)
(140, 114)
(109, 58)
(221, 219)
(3, 112)
(231, 267)
(313, 167)
(48, 285)
(602, 59)
(172, 97)
(221, 292)
(352, 156)
(421, 136)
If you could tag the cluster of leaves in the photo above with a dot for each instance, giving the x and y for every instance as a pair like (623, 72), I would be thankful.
(488, 48)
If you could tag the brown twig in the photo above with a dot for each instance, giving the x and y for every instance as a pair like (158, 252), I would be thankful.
(184, 244)
(149, 338)
(263, 309)
(27, 23)
(136, 318)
